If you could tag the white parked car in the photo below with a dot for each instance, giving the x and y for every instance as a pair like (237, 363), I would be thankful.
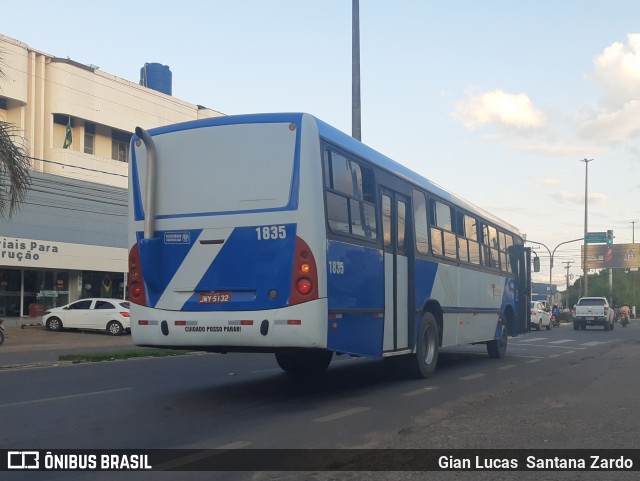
(539, 316)
(111, 315)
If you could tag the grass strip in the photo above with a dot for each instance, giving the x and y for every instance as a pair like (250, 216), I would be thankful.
(111, 356)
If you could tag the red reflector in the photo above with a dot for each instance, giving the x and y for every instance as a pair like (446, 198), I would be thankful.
(246, 323)
(332, 316)
(294, 322)
(143, 323)
(180, 323)
(334, 325)
(304, 286)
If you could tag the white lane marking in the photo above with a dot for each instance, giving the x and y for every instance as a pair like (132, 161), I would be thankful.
(472, 376)
(508, 366)
(562, 341)
(592, 343)
(422, 390)
(571, 352)
(555, 355)
(532, 339)
(534, 360)
(555, 347)
(61, 398)
(341, 414)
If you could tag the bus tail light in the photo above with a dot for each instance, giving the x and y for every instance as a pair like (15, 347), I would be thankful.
(304, 283)
(136, 282)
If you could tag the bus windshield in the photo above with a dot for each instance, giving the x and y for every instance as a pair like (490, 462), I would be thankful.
(243, 167)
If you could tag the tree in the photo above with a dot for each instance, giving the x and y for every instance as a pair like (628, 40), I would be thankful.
(15, 163)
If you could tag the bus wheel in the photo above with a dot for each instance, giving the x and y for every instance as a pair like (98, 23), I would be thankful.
(427, 347)
(304, 361)
(497, 348)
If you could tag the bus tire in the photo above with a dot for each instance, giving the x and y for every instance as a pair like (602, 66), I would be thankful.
(497, 348)
(427, 348)
(304, 361)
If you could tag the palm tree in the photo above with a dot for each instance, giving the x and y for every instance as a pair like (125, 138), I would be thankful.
(15, 163)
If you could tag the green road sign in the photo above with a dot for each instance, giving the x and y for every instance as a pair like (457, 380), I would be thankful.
(596, 237)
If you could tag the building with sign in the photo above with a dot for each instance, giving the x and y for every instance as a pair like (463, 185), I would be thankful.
(68, 241)
(540, 292)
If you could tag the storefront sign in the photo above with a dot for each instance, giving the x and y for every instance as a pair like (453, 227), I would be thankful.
(17, 252)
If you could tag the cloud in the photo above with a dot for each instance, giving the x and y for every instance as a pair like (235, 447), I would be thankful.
(574, 198)
(500, 109)
(553, 148)
(618, 72)
(614, 126)
(567, 197)
(550, 181)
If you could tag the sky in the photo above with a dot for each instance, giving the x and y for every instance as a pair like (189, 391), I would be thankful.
(497, 101)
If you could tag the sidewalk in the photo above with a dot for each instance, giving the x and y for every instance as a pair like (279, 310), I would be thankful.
(21, 321)
(28, 343)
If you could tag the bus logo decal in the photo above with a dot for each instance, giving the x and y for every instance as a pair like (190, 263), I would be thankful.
(177, 237)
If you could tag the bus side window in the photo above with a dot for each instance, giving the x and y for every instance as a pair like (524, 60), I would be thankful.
(490, 247)
(420, 221)
(386, 220)
(350, 190)
(506, 247)
(469, 248)
(443, 239)
(402, 224)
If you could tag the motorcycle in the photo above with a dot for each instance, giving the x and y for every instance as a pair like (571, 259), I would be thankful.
(624, 320)
(555, 321)
(1, 331)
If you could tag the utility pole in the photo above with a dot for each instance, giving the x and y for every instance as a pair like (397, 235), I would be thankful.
(567, 266)
(586, 203)
(356, 111)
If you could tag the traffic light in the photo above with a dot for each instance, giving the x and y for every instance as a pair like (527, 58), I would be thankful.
(609, 237)
(536, 264)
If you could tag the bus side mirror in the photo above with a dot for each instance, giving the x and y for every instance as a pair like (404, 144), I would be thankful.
(536, 264)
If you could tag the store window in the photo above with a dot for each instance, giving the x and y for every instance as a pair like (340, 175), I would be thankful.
(10, 281)
(103, 284)
(44, 290)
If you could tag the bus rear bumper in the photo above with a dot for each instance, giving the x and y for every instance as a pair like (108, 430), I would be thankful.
(303, 325)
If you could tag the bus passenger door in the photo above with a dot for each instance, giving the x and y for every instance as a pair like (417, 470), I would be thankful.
(396, 238)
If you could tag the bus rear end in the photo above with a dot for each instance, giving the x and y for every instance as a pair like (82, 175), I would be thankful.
(227, 235)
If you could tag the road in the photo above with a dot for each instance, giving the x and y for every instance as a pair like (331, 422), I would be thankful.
(555, 389)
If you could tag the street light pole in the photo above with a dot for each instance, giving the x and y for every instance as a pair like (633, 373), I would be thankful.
(356, 112)
(551, 254)
(584, 256)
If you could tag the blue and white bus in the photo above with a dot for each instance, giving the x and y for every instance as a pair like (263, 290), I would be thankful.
(279, 233)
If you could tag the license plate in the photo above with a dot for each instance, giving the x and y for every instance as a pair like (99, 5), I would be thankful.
(214, 297)
(589, 318)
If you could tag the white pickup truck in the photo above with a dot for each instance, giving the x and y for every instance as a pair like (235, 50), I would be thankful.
(593, 311)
